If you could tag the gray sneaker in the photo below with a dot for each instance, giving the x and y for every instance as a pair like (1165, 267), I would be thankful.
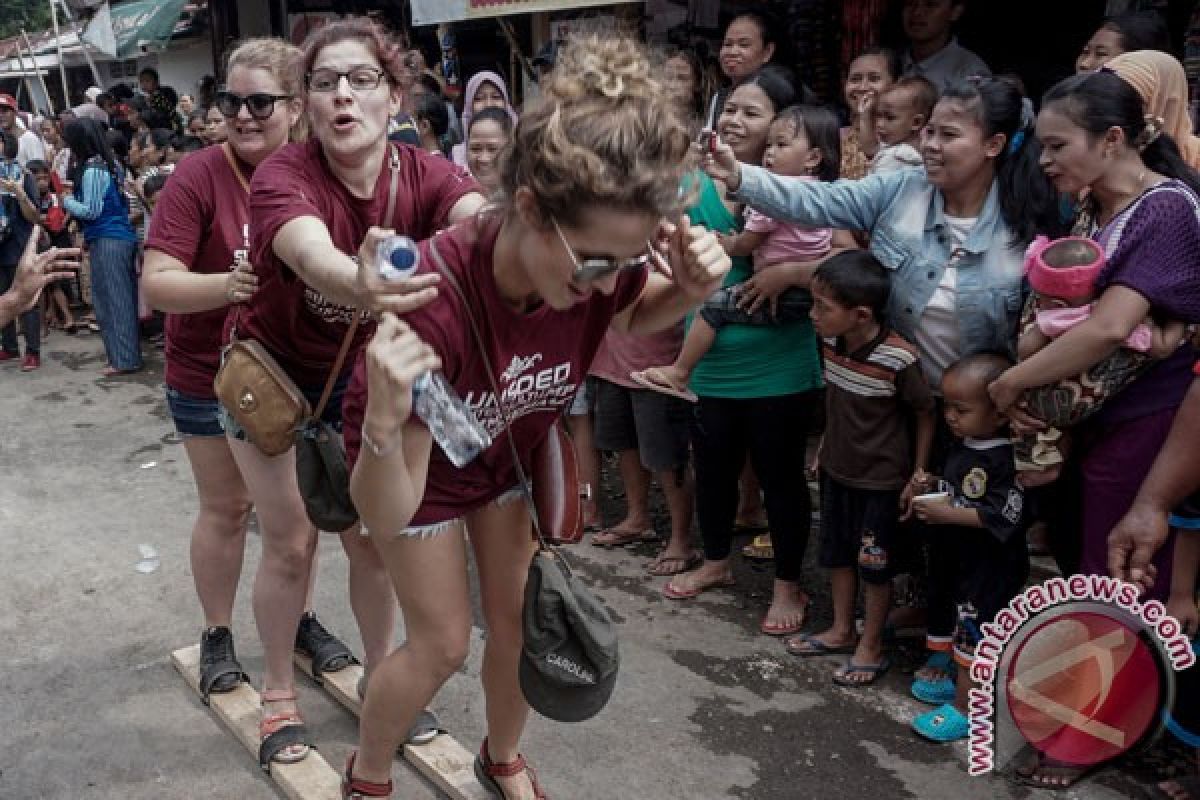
(424, 729)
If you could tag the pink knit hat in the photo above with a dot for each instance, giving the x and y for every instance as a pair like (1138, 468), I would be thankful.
(1064, 268)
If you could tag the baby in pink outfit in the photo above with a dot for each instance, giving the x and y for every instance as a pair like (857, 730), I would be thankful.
(1063, 276)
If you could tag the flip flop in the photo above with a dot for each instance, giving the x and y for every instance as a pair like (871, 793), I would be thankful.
(815, 647)
(670, 591)
(876, 671)
(615, 537)
(685, 564)
(656, 380)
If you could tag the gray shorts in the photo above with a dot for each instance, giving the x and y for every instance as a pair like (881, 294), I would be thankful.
(654, 424)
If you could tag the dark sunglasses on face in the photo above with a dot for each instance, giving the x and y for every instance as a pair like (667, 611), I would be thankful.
(261, 105)
(595, 268)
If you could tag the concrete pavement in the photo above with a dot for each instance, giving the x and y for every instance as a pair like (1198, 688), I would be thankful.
(90, 707)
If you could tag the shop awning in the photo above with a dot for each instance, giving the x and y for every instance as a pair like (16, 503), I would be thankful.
(431, 12)
(140, 25)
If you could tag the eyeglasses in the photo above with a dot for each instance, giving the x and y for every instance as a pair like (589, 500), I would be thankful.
(261, 105)
(362, 79)
(599, 267)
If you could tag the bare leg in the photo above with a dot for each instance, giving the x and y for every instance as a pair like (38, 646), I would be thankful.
(219, 533)
(429, 576)
(637, 492)
(678, 489)
(371, 597)
(288, 543)
(502, 539)
(844, 587)
(877, 599)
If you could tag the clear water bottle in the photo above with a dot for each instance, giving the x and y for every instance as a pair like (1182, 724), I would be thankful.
(398, 258)
(451, 421)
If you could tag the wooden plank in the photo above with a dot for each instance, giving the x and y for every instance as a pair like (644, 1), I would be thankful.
(309, 779)
(444, 762)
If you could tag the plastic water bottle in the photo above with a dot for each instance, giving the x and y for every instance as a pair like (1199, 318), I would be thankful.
(451, 421)
(398, 258)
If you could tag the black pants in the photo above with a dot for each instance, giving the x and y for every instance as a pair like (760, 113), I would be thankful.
(774, 430)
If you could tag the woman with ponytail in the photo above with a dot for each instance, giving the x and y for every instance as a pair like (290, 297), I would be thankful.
(584, 213)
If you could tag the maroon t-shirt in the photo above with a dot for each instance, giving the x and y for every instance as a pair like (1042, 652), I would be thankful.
(297, 324)
(202, 219)
(541, 359)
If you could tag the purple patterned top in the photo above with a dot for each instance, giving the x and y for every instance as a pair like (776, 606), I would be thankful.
(1153, 248)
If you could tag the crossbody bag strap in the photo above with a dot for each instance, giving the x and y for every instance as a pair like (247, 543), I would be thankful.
(393, 190)
(241, 178)
(481, 346)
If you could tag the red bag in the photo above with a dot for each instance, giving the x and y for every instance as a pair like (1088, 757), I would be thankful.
(56, 219)
(557, 493)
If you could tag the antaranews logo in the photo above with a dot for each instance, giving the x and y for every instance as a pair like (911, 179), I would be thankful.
(1078, 669)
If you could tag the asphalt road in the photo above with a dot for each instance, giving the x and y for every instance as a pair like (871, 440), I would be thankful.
(90, 706)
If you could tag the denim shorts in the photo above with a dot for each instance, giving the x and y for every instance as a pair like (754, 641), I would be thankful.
(509, 496)
(194, 416)
(331, 415)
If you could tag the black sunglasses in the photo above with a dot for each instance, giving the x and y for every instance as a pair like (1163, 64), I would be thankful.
(261, 105)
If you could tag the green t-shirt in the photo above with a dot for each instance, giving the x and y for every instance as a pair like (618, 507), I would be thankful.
(749, 361)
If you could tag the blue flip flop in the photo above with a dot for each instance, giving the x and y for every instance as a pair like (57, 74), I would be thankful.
(876, 671)
(943, 724)
(815, 647)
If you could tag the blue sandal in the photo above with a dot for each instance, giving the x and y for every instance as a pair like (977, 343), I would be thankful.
(943, 724)
(941, 691)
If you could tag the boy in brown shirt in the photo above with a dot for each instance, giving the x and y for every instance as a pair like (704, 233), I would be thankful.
(868, 464)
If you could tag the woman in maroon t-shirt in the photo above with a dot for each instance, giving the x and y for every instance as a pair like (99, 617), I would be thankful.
(593, 171)
(311, 207)
(198, 266)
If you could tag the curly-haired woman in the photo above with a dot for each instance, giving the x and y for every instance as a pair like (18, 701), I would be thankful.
(560, 259)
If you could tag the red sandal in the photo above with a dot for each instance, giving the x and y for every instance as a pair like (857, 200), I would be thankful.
(358, 789)
(487, 771)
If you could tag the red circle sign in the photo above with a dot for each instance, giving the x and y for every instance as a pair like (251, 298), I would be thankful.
(1083, 688)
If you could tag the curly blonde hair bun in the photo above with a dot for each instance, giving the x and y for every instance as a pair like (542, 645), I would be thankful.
(602, 133)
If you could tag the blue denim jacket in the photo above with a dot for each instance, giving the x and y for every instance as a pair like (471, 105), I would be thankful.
(905, 216)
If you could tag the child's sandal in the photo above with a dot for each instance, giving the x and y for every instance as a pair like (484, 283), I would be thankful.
(283, 737)
(358, 789)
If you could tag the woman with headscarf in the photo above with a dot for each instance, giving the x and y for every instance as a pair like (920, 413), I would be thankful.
(1161, 81)
(484, 90)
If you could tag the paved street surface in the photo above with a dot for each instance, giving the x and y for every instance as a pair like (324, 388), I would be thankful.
(91, 469)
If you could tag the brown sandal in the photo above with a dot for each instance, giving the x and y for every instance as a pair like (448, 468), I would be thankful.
(358, 789)
(487, 771)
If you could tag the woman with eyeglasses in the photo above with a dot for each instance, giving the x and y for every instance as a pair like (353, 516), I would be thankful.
(197, 269)
(312, 204)
(569, 252)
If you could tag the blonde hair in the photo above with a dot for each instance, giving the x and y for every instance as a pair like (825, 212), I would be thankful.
(602, 133)
(282, 60)
(276, 56)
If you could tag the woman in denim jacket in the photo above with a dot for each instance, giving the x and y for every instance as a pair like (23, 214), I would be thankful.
(953, 234)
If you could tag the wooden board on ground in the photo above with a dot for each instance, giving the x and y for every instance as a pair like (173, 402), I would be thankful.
(444, 762)
(309, 779)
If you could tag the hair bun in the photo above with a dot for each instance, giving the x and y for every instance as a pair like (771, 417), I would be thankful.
(613, 68)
